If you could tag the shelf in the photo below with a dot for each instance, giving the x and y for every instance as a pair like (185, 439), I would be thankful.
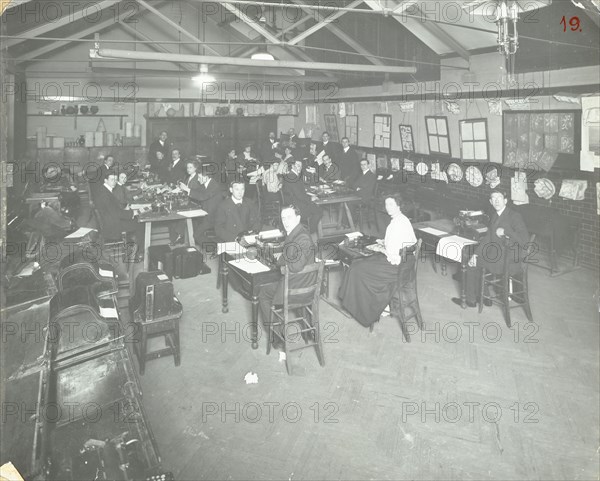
(83, 116)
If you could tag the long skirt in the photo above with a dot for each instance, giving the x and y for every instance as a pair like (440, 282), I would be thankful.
(368, 286)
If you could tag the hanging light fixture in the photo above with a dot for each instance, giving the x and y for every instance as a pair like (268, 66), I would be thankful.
(204, 77)
(506, 16)
(262, 53)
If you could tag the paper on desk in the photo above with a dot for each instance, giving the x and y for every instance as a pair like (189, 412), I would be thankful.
(451, 247)
(319, 157)
(192, 213)
(140, 206)
(431, 230)
(230, 248)
(109, 312)
(176, 190)
(339, 182)
(250, 239)
(251, 267)
(353, 235)
(79, 233)
(105, 273)
(270, 234)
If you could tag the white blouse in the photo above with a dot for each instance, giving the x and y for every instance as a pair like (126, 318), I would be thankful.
(398, 235)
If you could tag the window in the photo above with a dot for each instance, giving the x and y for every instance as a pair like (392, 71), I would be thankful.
(473, 140)
(438, 136)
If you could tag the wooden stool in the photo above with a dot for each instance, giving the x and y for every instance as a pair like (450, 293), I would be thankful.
(167, 326)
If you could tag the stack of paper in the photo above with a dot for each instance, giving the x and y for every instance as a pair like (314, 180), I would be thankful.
(192, 213)
(451, 247)
(353, 235)
(82, 231)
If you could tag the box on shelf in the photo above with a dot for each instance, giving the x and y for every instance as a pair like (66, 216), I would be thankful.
(98, 139)
(58, 143)
(89, 139)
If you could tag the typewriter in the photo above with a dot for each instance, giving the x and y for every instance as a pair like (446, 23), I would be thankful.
(472, 224)
(269, 248)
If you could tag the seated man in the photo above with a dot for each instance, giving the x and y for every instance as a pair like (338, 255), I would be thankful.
(294, 192)
(505, 224)
(96, 175)
(236, 214)
(121, 192)
(329, 171)
(298, 252)
(209, 195)
(115, 219)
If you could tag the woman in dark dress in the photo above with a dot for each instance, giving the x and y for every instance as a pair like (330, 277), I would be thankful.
(369, 283)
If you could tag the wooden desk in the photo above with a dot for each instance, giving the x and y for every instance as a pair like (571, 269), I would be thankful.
(341, 197)
(150, 217)
(431, 241)
(250, 285)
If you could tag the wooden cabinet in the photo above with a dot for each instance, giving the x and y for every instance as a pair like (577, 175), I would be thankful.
(211, 136)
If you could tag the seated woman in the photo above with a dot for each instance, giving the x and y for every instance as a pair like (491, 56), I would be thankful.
(369, 283)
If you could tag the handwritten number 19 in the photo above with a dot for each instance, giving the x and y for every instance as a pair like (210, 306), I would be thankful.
(574, 23)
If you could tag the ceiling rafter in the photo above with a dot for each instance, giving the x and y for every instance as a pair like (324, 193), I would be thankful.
(176, 26)
(433, 28)
(339, 33)
(323, 23)
(252, 23)
(156, 45)
(61, 22)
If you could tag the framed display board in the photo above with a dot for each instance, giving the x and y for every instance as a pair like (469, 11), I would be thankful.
(438, 135)
(332, 127)
(540, 140)
(474, 140)
(382, 131)
(406, 138)
(351, 130)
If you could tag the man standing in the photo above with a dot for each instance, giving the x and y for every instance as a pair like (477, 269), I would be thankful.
(506, 225)
(209, 195)
(365, 183)
(269, 146)
(295, 193)
(163, 145)
(330, 148)
(298, 252)
(114, 218)
(177, 170)
(348, 162)
(236, 214)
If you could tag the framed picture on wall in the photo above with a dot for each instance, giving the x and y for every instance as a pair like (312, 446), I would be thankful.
(351, 130)
(332, 127)
(438, 135)
(382, 131)
(406, 138)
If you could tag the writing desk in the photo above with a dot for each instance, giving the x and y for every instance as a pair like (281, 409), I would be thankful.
(149, 218)
(339, 196)
(439, 238)
(250, 282)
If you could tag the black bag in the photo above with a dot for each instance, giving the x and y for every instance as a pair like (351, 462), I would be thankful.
(161, 303)
(188, 262)
(161, 254)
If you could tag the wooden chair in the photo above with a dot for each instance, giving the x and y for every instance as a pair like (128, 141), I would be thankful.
(509, 285)
(402, 309)
(113, 246)
(307, 324)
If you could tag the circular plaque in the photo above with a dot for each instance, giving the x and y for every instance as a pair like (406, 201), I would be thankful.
(455, 173)
(422, 168)
(474, 176)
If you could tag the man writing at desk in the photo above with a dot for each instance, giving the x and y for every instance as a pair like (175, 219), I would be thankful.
(506, 224)
(298, 252)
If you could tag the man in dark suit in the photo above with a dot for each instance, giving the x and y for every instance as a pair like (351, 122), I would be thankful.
(177, 170)
(97, 173)
(331, 148)
(348, 161)
(269, 146)
(209, 195)
(162, 145)
(236, 214)
(506, 225)
(115, 219)
(365, 183)
(329, 171)
(294, 192)
(298, 252)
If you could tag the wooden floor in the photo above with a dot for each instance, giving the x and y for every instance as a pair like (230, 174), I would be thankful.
(467, 399)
